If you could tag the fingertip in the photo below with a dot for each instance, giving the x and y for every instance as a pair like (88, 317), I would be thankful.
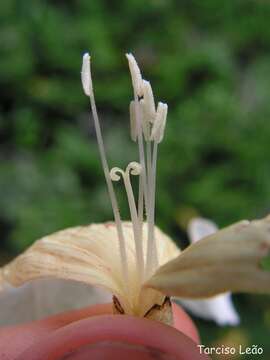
(184, 323)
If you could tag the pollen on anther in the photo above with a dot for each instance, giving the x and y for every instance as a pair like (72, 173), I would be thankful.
(133, 123)
(149, 102)
(135, 75)
(86, 75)
(159, 123)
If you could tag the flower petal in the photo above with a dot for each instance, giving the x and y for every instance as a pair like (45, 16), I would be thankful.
(228, 260)
(44, 297)
(79, 253)
(219, 308)
(90, 254)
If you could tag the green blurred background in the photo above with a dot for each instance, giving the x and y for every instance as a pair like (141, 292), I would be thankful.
(209, 60)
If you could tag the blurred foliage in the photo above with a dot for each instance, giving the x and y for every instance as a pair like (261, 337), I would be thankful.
(209, 60)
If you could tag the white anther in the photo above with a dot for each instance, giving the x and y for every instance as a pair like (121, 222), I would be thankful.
(145, 121)
(149, 102)
(135, 75)
(86, 75)
(159, 123)
(133, 123)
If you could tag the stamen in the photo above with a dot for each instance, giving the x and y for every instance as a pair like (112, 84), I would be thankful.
(149, 102)
(149, 111)
(160, 122)
(88, 89)
(140, 204)
(143, 189)
(133, 168)
(157, 136)
(133, 125)
(137, 87)
(152, 257)
(86, 75)
(134, 137)
(135, 75)
(145, 120)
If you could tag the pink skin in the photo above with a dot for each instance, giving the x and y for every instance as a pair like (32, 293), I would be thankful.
(95, 333)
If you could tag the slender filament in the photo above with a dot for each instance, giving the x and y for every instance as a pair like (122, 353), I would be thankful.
(115, 208)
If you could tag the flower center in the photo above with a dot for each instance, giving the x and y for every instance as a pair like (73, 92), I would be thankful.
(147, 124)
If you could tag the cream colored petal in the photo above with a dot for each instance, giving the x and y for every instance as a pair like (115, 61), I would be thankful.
(89, 254)
(75, 254)
(228, 260)
(45, 297)
(218, 308)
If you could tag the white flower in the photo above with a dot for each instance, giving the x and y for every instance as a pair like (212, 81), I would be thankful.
(44, 297)
(220, 307)
(136, 261)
